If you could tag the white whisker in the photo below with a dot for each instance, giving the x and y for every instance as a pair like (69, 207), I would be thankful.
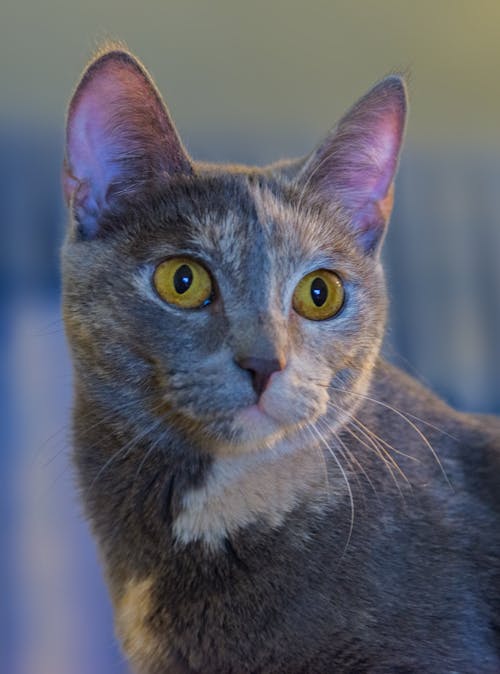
(348, 456)
(357, 462)
(126, 449)
(346, 480)
(400, 414)
(325, 467)
(378, 444)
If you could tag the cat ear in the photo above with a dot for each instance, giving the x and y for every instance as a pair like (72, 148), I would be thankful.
(356, 164)
(119, 138)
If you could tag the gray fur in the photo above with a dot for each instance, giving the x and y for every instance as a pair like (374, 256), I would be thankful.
(347, 544)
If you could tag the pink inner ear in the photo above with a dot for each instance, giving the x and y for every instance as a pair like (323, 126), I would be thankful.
(357, 163)
(91, 159)
(119, 136)
(367, 162)
(386, 143)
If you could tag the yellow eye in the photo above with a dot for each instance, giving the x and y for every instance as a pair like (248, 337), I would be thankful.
(319, 295)
(183, 282)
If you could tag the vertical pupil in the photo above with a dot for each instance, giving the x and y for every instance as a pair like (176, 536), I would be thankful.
(183, 278)
(319, 291)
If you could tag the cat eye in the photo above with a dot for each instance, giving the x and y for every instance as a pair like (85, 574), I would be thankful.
(319, 295)
(183, 282)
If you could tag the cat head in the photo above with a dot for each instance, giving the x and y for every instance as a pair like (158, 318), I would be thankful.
(233, 304)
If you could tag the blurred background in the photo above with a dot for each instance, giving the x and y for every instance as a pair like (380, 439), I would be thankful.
(246, 82)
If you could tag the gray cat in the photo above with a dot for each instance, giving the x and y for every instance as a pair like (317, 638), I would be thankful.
(267, 494)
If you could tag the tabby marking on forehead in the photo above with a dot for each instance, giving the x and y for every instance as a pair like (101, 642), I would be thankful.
(222, 234)
(256, 487)
(301, 225)
(269, 207)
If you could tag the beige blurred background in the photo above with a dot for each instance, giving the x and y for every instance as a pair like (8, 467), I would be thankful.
(278, 67)
(246, 82)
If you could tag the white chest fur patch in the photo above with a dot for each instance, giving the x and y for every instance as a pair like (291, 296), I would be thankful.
(241, 490)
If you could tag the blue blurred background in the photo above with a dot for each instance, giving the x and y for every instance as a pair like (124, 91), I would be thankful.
(246, 82)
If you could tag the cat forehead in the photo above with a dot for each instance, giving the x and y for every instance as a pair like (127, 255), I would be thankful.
(235, 218)
(280, 234)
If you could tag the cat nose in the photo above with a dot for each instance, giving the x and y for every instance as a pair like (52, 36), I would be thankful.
(261, 370)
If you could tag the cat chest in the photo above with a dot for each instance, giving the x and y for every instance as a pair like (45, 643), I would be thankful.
(260, 490)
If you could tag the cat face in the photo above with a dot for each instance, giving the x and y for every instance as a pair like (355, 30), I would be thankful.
(251, 358)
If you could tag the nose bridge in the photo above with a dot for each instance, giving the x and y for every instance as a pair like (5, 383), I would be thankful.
(259, 330)
(261, 334)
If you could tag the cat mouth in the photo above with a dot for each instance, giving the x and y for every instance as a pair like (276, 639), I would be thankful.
(255, 414)
(255, 423)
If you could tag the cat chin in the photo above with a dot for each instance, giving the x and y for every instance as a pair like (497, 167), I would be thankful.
(255, 417)
(253, 430)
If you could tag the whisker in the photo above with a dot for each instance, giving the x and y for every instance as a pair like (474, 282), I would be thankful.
(147, 454)
(356, 461)
(346, 480)
(389, 461)
(348, 456)
(67, 428)
(323, 459)
(375, 436)
(51, 328)
(381, 440)
(372, 438)
(322, 383)
(430, 425)
(373, 447)
(400, 414)
(126, 449)
(377, 443)
(55, 436)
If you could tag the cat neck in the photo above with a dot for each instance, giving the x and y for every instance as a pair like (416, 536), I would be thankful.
(262, 486)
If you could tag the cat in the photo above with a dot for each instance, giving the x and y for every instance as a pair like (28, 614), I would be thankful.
(267, 494)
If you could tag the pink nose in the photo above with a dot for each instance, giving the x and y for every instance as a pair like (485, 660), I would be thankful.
(261, 370)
